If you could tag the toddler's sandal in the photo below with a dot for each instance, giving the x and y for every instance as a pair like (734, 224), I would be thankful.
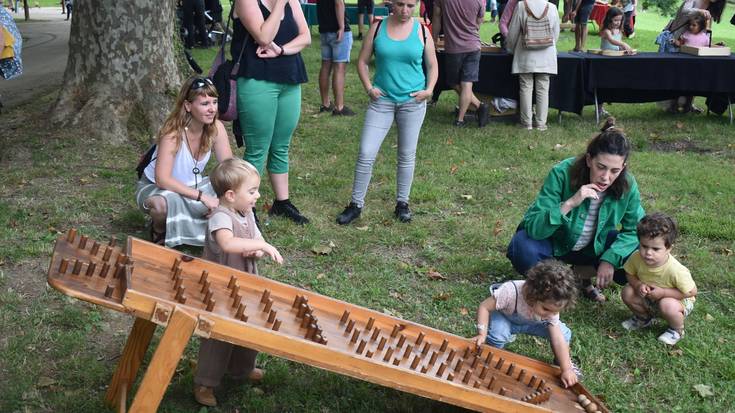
(593, 294)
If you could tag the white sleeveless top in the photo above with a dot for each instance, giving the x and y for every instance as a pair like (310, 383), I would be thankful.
(184, 164)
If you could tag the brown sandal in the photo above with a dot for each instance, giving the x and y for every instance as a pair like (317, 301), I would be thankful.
(593, 294)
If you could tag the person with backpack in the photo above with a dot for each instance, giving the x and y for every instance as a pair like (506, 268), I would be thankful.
(532, 36)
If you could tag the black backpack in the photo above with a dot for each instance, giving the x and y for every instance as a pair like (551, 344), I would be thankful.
(145, 160)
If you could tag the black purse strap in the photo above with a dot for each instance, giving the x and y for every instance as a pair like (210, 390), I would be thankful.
(236, 65)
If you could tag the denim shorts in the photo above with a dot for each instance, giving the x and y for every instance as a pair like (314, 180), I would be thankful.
(584, 13)
(462, 67)
(334, 51)
(365, 6)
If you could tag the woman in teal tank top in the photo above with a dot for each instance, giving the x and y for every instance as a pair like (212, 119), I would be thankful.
(397, 92)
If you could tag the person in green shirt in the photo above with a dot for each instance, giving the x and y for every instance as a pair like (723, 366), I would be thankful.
(585, 214)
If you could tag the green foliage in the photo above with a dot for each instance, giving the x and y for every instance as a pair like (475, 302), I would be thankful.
(667, 7)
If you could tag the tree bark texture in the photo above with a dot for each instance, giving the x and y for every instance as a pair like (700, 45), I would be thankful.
(121, 62)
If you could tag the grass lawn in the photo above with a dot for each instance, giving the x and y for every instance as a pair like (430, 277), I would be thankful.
(471, 188)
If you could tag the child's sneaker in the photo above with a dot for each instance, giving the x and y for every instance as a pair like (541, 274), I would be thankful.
(637, 323)
(671, 336)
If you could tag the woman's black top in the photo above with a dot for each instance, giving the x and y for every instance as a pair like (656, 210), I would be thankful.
(282, 69)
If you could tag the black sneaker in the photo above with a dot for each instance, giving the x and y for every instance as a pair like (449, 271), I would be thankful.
(344, 112)
(460, 123)
(483, 115)
(351, 213)
(286, 209)
(323, 108)
(402, 212)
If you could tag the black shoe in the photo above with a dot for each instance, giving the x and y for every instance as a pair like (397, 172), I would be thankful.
(460, 123)
(286, 209)
(483, 115)
(344, 112)
(359, 36)
(351, 213)
(323, 108)
(402, 212)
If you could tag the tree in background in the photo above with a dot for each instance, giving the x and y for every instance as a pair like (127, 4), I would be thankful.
(667, 7)
(122, 62)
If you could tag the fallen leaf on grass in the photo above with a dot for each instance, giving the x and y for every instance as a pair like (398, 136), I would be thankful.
(450, 141)
(677, 352)
(321, 250)
(727, 252)
(612, 336)
(558, 147)
(453, 169)
(83, 181)
(396, 295)
(365, 228)
(464, 311)
(497, 228)
(467, 197)
(679, 125)
(435, 275)
(722, 340)
(44, 381)
(539, 342)
(441, 297)
(320, 276)
(709, 317)
(703, 390)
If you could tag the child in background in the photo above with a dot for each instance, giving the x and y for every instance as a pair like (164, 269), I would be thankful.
(611, 39)
(657, 283)
(532, 307)
(234, 240)
(696, 35)
(629, 18)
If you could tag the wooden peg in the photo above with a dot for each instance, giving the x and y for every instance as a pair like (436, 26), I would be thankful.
(541, 384)
(182, 299)
(345, 317)
(70, 235)
(425, 369)
(77, 267)
(401, 341)
(302, 308)
(510, 369)
(489, 357)
(409, 349)
(361, 347)
(276, 325)
(533, 381)
(117, 271)
(450, 376)
(350, 326)
(95, 248)
(474, 362)
(266, 296)
(236, 301)
(296, 301)
(120, 260)
(425, 350)
(177, 262)
(355, 335)
(235, 290)
(369, 354)
(444, 345)
(375, 335)
(179, 292)
(240, 311)
(90, 269)
(503, 391)
(177, 283)
(63, 265)
(205, 286)
(113, 241)
(109, 290)
(381, 344)
(396, 329)
(440, 372)
(499, 365)
(232, 281)
(268, 305)
(107, 254)
(82, 242)
(491, 383)
(476, 385)
(467, 376)
(432, 360)
(306, 320)
(369, 324)
(420, 338)
(244, 318)
(459, 363)
(203, 277)
(210, 304)
(452, 353)
(467, 352)
(483, 372)
(271, 316)
(388, 354)
(105, 269)
(415, 362)
(397, 361)
(522, 375)
(208, 297)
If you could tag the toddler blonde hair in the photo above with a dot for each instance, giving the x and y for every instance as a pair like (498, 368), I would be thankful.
(230, 175)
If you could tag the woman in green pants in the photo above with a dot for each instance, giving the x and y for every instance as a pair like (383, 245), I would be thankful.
(269, 88)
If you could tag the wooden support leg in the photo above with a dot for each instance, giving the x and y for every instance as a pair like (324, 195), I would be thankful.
(132, 356)
(163, 364)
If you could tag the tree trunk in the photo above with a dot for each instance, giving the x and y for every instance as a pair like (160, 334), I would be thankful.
(121, 62)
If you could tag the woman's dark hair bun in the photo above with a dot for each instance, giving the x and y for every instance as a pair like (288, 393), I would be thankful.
(609, 123)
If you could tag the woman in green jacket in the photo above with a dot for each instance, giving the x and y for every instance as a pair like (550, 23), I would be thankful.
(577, 213)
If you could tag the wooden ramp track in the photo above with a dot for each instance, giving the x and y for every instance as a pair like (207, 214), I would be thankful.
(190, 296)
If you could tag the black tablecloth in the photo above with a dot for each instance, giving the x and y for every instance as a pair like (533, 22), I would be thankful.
(647, 77)
(566, 91)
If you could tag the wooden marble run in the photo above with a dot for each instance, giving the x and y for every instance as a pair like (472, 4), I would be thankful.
(190, 296)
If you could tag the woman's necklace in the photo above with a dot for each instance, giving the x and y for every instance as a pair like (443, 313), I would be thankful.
(195, 170)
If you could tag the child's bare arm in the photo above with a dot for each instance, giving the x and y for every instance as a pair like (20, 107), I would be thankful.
(483, 319)
(607, 34)
(561, 350)
(231, 244)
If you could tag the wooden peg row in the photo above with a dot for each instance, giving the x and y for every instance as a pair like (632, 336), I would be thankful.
(541, 384)
(177, 283)
(345, 317)
(176, 273)
(70, 235)
(244, 318)
(467, 352)
(369, 324)
(475, 360)
(179, 292)
(63, 266)
(489, 357)
(120, 260)
(306, 321)
(302, 308)
(458, 365)
(182, 299)
(109, 290)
